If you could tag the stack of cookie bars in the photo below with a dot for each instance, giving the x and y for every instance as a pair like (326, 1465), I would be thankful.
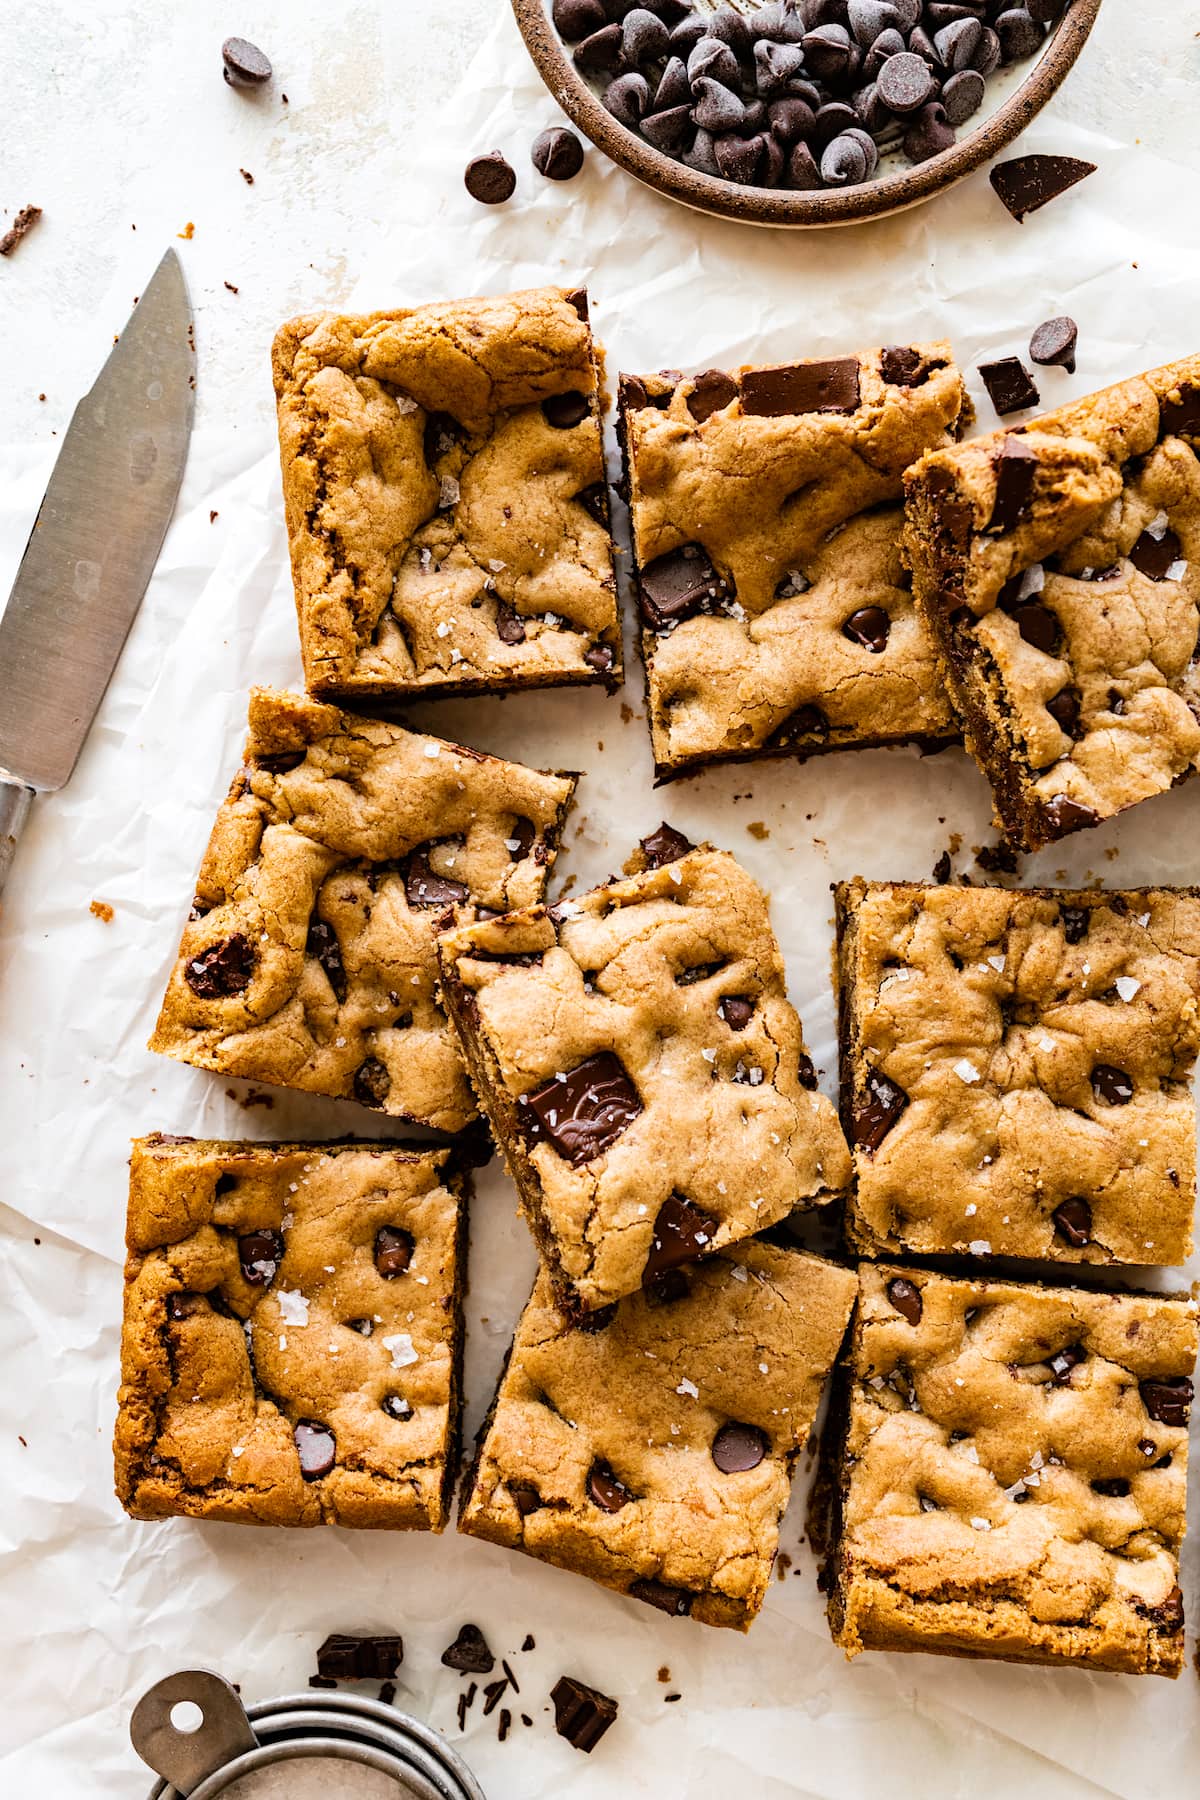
(821, 563)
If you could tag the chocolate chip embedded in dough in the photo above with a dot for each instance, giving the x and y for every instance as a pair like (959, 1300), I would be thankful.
(1156, 555)
(510, 627)
(681, 1233)
(583, 1112)
(490, 179)
(316, 1447)
(1112, 1085)
(664, 845)
(260, 1254)
(1063, 815)
(1075, 922)
(1026, 183)
(371, 1082)
(1181, 417)
(870, 627)
(1039, 627)
(712, 391)
(1168, 1399)
(794, 388)
(1064, 709)
(1053, 343)
(322, 943)
(737, 1010)
(594, 501)
(877, 1110)
(393, 1251)
(1062, 1363)
(424, 888)
(906, 1297)
(675, 1601)
(681, 582)
(565, 411)
(605, 1490)
(903, 366)
(738, 1447)
(600, 658)
(224, 969)
(1073, 1221)
(1016, 468)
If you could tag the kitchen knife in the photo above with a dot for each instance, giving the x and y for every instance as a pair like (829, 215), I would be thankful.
(93, 548)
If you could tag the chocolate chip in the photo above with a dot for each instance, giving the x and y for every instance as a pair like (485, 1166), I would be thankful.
(668, 130)
(1010, 386)
(1112, 1487)
(830, 120)
(664, 845)
(737, 158)
(1028, 182)
(902, 366)
(510, 627)
(1154, 557)
(423, 888)
(1064, 709)
(738, 1447)
(929, 133)
(1062, 814)
(711, 392)
(260, 1254)
(789, 388)
(442, 434)
(324, 946)
(957, 44)
(962, 96)
(1075, 921)
(600, 658)
(681, 1233)
(245, 64)
(557, 154)
(674, 89)
(371, 1082)
(584, 1112)
(644, 37)
(600, 52)
(577, 19)
(582, 1714)
(830, 54)
(627, 99)
(1181, 418)
(905, 83)
(869, 626)
(1073, 1221)
(184, 1306)
(802, 168)
(867, 18)
(806, 1073)
(1112, 1085)
(281, 763)
(525, 1498)
(393, 1251)
(675, 1601)
(775, 65)
(1053, 343)
(711, 60)
(490, 179)
(343, 1657)
(1039, 627)
(470, 1653)
(224, 969)
(876, 1111)
(1066, 1360)
(1167, 1400)
(791, 119)
(1016, 468)
(316, 1448)
(907, 1299)
(846, 161)
(678, 584)
(605, 1490)
(396, 1407)
(564, 411)
(737, 1010)
(594, 501)
(1019, 36)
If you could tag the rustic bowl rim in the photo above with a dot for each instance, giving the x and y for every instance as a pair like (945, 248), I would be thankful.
(785, 207)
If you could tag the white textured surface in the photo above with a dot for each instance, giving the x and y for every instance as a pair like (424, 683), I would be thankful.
(115, 116)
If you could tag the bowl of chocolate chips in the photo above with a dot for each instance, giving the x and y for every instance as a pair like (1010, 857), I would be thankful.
(803, 112)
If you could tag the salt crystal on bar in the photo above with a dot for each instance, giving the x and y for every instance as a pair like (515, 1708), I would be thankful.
(1178, 569)
(1158, 526)
(997, 963)
(738, 1273)
(293, 1307)
(980, 1247)
(432, 750)
(688, 1387)
(401, 1346)
(448, 491)
(404, 405)
(966, 1071)
(1032, 581)
(1126, 986)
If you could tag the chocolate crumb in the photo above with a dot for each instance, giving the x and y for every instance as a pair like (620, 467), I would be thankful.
(998, 859)
(21, 226)
(664, 1674)
(529, 1643)
(462, 1712)
(471, 1692)
(783, 1563)
(941, 869)
(188, 232)
(505, 1722)
(247, 177)
(213, 517)
(321, 1681)
(525, 1719)
(516, 1686)
(491, 1695)
(233, 290)
(667, 1698)
(387, 1693)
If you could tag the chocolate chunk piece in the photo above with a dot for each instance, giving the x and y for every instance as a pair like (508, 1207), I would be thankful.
(372, 1083)
(1010, 386)
(224, 969)
(737, 1010)
(316, 1448)
(600, 658)
(346, 1656)
(470, 1653)
(664, 845)
(423, 888)
(1016, 469)
(677, 584)
(877, 1110)
(1062, 1363)
(1181, 418)
(490, 179)
(393, 1251)
(1039, 627)
(582, 1714)
(594, 501)
(1075, 921)
(323, 944)
(605, 1490)
(711, 391)
(1156, 553)
(1053, 343)
(23, 223)
(1064, 814)
(902, 366)
(260, 1254)
(557, 154)
(1065, 709)
(905, 1296)
(682, 1232)
(1073, 1221)
(510, 627)
(1112, 1085)
(738, 1447)
(1028, 182)
(584, 1112)
(801, 388)
(675, 1601)
(869, 626)
(245, 64)
(565, 411)
(1167, 1401)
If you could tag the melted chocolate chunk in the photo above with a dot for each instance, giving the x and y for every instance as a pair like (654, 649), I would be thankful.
(224, 969)
(442, 433)
(510, 627)
(877, 1110)
(902, 366)
(1073, 1221)
(1028, 182)
(906, 1297)
(423, 888)
(1167, 1400)
(806, 1073)
(738, 1447)
(665, 845)
(184, 1306)
(323, 944)
(582, 1714)
(681, 1233)
(737, 1010)
(1016, 473)
(1039, 627)
(1064, 814)
(281, 763)
(711, 391)
(606, 1490)
(371, 1082)
(676, 1601)
(1112, 1487)
(801, 388)
(584, 1112)
(1112, 1085)
(1064, 709)
(678, 584)
(470, 1653)
(600, 658)
(1154, 556)
(806, 721)
(869, 626)
(594, 501)
(260, 1254)
(564, 411)
(1181, 418)
(393, 1251)
(316, 1448)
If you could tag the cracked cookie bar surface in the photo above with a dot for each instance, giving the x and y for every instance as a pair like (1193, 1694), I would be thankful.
(345, 845)
(293, 1333)
(643, 1072)
(1014, 1473)
(652, 1450)
(1017, 1067)
(1057, 567)
(447, 513)
(775, 611)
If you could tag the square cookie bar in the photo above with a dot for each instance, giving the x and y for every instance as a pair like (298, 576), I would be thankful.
(345, 845)
(1016, 1070)
(642, 1071)
(776, 616)
(443, 477)
(292, 1344)
(653, 1448)
(1057, 567)
(1013, 1474)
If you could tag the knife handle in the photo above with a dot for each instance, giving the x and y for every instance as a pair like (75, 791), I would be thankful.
(15, 802)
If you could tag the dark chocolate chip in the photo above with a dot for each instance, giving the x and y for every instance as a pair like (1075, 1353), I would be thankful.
(737, 1010)
(1016, 469)
(1075, 921)
(490, 179)
(1028, 182)
(791, 119)
(1064, 709)
(423, 888)
(958, 43)
(1112, 1085)
(789, 388)
(1064, 1361)
(1073, 1221)
(681, 1233)
(644, 37)
(738, 158)
(1168, 1399)
(675, 1601)
(281, 763)
(371, 1082)
(738, 1447)
(877, 1110)
(929, 133)
(1010, 386)
(1053, 343)
(557, 154)
(184, 1305)
(1019, 36)
(668, 130)
(869, 626)
(224, 969)
(605, 1490)
(260, 1254)
(962, 96)
(1154, 556)
(316, 1448)
(594, 501)
(1112, 1487)
(830, 120)
(868, 18)
(1062, 815)
(664, 845)
(905, 83)
(845, 162)
(525, 1498)
(323, 944)
(712, 60)
(711, 391)
(576, 19)
(600, 52)
(907, 1299)
(1181, 418)
(393, 1251)
(245, 64)
(806, 1073)
(510, 627)
(582, 1714)
(470, 1653)
(902, 366)
(584, 1112)
(678, 584)
(802, 168)
(600, 658)
(830, 55)
(1039, 627)
(627, 99)
(775, 65)
(564, 411)
(442, 434)
(674, 89)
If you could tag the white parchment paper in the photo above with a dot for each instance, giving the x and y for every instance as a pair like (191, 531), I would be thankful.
(95, 1606)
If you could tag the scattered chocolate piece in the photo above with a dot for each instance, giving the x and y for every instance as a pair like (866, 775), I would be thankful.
(675, 1601)
(557, 154)
(1027, 183)
(462, 1712)
(348, 1656)
(469, 1654)
(529, 1643)
(321, 1681)
(941, 869)
(583, 1112)
(490, 179)
(513, 1683)
(387, 1693)
(22, 225)
(665, 845)
(245, 64)
(247, 177)
(505, 1724)
(1053, 344)
(582, 1714)
(492, 1694)
(1011, 388)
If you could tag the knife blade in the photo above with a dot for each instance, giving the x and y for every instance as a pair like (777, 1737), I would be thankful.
(93, 547)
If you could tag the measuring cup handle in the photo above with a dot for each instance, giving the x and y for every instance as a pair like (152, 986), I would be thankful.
(186, 1758)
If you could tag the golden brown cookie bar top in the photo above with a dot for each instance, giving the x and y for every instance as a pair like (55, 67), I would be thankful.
(643, 1072)
(1016, 1069)
(344, 846)
(1058, 568)
(443, 477)
(776, 614)
(292, 1339)
(653, 1449)
(1014, 1473)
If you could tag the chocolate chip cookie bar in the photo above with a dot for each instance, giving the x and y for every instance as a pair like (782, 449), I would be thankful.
(443, 478)
(1013, 1473)
(642, 1070)
(653, 1449)
(1057, 567)
(1016, 1070)
(776, 616)
(292, 1345)
(345, 845)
